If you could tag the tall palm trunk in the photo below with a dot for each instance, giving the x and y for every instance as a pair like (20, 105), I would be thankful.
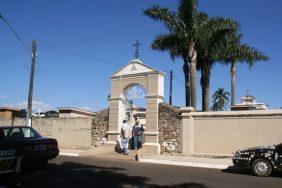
(186, 70)
(193, 85)
(233, 82)
(193, 63)
(205, 83)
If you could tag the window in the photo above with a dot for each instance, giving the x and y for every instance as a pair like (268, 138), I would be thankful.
(30, 133)
(6, 132)
(20, 133)
(14, 133)
(279, 149)
(2, 135)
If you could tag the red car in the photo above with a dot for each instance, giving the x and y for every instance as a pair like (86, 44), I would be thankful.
(35, 149)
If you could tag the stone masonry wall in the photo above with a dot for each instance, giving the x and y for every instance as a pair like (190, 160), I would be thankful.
(12, 121)
(169, 127)
(100, 125)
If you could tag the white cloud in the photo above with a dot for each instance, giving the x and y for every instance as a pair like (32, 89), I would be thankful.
(3, 97)
(36, 106)
(86, 108)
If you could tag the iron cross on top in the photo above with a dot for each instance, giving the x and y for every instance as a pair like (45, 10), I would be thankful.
(136, 45)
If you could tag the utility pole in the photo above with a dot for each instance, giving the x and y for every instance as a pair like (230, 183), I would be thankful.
(170, 87)
(30, 92)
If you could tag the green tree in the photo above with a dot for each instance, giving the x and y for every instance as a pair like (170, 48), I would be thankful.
(209, 47)
(234, 52)
(180, 41)
(220, 99)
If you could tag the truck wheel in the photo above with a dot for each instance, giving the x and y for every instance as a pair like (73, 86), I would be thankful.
(261, 167)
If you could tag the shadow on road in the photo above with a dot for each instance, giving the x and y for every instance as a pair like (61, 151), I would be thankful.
(71, 174)
(237, 170)
(184, 185)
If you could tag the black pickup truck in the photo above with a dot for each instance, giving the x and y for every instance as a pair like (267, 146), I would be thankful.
(261, 160)
(10, 164)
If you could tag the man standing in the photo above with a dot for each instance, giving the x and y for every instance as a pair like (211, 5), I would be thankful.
(137, 134)
(126, 134)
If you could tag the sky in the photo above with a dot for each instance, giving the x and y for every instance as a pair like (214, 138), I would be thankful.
(82, 43)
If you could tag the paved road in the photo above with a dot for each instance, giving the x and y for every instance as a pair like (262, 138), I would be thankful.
(106, 172)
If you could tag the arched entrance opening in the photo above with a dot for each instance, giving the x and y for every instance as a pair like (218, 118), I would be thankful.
(134, 100)
(132, 83)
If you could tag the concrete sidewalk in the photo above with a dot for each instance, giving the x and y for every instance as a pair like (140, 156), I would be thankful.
(71, 152)
(167, 159)
(217, 163)
(93, 151)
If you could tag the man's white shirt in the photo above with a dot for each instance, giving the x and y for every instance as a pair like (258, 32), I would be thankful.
(127, 130)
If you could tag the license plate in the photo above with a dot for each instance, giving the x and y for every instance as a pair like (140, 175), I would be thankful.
(39, 147)
(7, 153)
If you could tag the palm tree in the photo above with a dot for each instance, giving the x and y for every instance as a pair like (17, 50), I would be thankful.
(220, 99)
(209, 49)
(173, 44)
(220, 42)
(180, 41)
(235, 52)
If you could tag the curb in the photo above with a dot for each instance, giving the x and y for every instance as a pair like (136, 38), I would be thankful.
(190, 164)
(69, 154)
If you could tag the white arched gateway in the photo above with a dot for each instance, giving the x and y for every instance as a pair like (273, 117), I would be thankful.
(147, 80)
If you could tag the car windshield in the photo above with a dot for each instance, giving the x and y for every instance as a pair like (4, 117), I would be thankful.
(20, 133)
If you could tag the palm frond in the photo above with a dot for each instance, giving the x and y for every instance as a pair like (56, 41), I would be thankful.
(169, 42)
(220, 99)
(163, 15)
(234, 51)
(187, 12)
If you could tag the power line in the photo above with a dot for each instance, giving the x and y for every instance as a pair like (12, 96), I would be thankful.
(255, 18)
(95, 40)
(100, 36)
(174, 77)
(15, 33)
(178, 79)
(92, 39)
(131, 29)
(81, 56)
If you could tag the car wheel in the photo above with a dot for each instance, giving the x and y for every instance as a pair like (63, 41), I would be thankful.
(16, 180)
(261, 167)
(43, 162)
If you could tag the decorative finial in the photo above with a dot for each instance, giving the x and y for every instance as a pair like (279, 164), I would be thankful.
(136, 45)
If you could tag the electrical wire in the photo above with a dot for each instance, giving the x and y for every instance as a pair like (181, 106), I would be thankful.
(178, 79)
(15, 33)
(78, 55)
(95, 40)
(174, 77)
(273, 15)
(104, 37)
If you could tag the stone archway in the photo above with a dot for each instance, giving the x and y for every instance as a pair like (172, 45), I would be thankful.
(134, 98)
(153, 82)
